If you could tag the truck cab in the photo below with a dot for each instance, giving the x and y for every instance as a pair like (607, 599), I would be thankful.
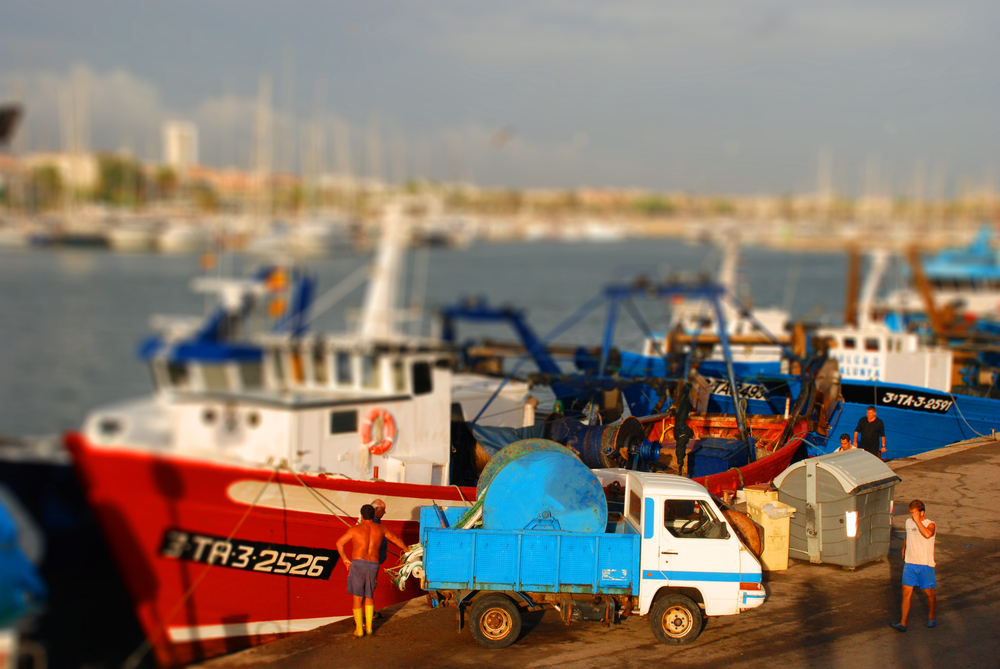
(687, 547)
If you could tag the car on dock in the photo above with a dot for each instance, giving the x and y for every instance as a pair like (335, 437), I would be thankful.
(669, 555)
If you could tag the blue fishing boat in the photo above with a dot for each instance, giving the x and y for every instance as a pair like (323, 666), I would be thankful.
(932, 380)
(924, 394)
(910, 386)
(929, 390)
(909, 383)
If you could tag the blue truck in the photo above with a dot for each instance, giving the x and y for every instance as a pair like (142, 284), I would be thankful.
(670, 555)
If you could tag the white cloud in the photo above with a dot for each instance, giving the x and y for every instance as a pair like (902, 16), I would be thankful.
(111, 109)
(117, 109)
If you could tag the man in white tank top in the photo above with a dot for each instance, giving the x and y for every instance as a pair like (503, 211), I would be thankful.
(918, 563)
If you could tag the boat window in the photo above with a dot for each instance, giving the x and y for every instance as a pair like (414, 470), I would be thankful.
(849, 343)
(344, 376)
(215, 377)
(872, 344)
(296, 373)
(422, 378)
(398, 376)
(178, 375)
(251, 375)
(369, 372)
(279, 367)
(343, 421)
(692, 519)
(319, 365)
(635, 507)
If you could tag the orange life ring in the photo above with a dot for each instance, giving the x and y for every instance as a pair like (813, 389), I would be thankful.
(388, 431)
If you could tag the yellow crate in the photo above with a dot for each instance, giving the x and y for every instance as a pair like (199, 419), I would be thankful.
(760, 494)
(776, 530)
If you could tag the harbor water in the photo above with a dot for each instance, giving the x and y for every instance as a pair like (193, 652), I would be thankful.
(72, 319)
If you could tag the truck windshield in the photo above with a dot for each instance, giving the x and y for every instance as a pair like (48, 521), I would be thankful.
(689, 518)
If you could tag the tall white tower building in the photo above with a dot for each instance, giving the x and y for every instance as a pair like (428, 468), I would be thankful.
(180, 145)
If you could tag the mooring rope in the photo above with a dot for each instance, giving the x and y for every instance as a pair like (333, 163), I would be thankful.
(324, 501)
(959, 410)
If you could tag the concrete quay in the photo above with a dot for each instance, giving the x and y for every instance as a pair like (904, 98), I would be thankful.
(816, 616)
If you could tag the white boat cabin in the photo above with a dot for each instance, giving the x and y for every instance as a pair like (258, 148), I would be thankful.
(337, 405)
(249, 385)
(877, 354)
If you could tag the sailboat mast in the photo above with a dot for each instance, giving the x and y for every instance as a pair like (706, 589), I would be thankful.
(380, 310)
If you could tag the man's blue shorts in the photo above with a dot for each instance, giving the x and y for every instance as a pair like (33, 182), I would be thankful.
(919, 576)
(362, 578)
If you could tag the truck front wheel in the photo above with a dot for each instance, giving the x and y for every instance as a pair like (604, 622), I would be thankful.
(496, 621)
(675, 619)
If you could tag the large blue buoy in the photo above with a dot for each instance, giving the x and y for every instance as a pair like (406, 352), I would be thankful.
(545, 490)
(514, 451)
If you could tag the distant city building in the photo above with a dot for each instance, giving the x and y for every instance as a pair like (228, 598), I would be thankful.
(873, 206)
(180, 145)
(338, 181)
(9, 166)
(79, 170)
(226, 183)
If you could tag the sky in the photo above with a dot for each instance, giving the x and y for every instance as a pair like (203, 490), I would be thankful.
(730, 96)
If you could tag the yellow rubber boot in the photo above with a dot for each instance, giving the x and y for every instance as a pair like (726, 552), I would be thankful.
(359, 632)
(369, 612)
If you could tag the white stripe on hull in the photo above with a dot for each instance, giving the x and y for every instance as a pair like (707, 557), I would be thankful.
(259, 628)
(297, 498)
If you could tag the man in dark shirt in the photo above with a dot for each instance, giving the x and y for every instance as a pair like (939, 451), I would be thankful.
(379, 507)
(872, 433)
(682, 431)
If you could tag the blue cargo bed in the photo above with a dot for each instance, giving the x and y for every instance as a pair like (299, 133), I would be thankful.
(529, 560)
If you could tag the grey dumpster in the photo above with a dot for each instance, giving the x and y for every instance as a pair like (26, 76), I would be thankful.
(843, 503)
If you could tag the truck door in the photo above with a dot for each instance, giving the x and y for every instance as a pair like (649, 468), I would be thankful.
(697, 549)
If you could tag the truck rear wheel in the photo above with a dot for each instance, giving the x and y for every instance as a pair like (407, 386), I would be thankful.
(675, 619)
(496, 621)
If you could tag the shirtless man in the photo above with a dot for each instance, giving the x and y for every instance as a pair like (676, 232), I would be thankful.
(362, 574)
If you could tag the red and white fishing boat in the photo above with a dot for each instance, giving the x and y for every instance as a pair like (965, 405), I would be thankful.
(222, 495)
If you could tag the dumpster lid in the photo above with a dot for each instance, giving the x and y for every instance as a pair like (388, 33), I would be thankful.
(855, 470)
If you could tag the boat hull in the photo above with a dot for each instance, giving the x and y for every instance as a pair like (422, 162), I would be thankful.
(916, 419)
(220, 557)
